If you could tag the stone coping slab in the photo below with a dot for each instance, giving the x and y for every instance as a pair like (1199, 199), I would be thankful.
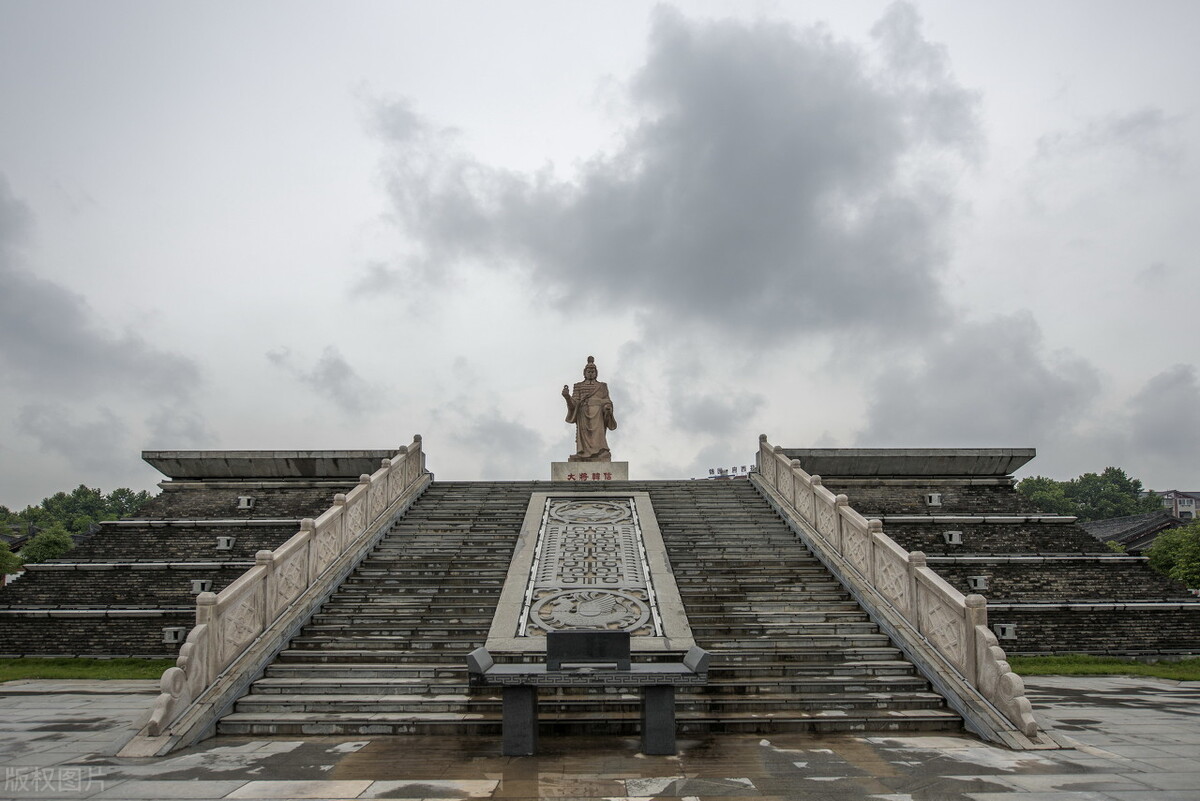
(266, 464)
(911, 461)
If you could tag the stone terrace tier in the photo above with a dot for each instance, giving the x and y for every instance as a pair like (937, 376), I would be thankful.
(91, 632)
(1051, 587)
(130, 588)
(1037, 578)
(198, 501)
(145, 585)
(791, 650)
(874, 497)
(143, 541)
(989, 535)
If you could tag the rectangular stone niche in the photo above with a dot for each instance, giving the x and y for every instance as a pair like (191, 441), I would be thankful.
(590, 560)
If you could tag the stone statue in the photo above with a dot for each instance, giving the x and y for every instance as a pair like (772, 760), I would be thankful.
(591, 410)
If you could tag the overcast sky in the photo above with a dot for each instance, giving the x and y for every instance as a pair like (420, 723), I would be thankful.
(298, 225)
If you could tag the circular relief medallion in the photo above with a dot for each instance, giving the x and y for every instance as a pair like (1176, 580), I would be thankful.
(590, 609)
(590, 511)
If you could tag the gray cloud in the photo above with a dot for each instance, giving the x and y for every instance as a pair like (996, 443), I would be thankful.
(178, 427)
(770, 178)
(1165, 420)
(51, 341)
(504, 447)
(1154, 138)
(985, 384)
(332, 377)
(100, 444)
(714, 413)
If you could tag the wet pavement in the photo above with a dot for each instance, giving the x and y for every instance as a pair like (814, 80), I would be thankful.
(1129, 738)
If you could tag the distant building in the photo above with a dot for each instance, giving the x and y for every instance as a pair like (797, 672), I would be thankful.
(1134, 533)
(1181, 504)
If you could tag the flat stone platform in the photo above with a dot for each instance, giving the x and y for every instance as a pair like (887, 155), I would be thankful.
(1130, 739)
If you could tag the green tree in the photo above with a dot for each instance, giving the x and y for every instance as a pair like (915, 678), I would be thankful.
(78, 510)
(49, 544)
(9, 561)
(123, 502)
(1091, 496)
(1047, 495)
(1176, 553)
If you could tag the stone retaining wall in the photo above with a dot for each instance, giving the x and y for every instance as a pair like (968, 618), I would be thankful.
(56, 634)
(873, 497)
(1002, 538)
(1106, 579)
(120, 542)
(194, 501)
(1101, 631)
(120, 585)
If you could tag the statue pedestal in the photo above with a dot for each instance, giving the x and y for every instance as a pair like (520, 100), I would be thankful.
(589, 472)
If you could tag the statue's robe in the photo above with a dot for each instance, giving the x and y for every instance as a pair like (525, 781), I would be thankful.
(591, 412)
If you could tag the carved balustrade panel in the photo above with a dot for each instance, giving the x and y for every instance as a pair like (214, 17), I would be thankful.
(326, 546)
(805, 504)
(241, 622)
(355, 515)
(942, 624)
(412, 461)
(827, 521)
(891, 576)
(395, 480)
(769, 464)
(288, 579)
(378, 497)
(856, 547)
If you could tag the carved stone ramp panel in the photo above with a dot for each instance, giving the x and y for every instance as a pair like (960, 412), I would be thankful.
(590, 560)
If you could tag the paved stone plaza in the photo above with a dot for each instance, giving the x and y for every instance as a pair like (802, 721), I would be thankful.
(1133, 739)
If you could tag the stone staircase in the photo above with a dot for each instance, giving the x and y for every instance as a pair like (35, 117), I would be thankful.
(791, 650)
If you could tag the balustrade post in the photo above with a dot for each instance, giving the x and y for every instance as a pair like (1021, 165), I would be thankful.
(795, 471)
(309, 526)
(206, 615)
(839, 503)
(364, 481)
(266, 560)
(816, 481)
(976, 615)
(916, 561)
(874, 527)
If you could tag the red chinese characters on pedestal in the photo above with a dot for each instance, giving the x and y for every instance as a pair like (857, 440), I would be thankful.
(589, 477)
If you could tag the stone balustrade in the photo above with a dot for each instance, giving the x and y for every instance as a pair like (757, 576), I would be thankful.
(953, 624)
(269, 594)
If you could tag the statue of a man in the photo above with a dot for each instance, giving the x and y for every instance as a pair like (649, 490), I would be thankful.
(591, 410)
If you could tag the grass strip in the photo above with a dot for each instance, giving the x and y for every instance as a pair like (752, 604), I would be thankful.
(1078, 665)
(34, 667)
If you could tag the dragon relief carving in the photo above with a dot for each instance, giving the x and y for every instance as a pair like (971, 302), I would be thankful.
(591, 609)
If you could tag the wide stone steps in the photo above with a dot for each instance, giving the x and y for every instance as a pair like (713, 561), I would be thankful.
(791, 650)
(825, 721)
(335, 671)
(735, 682)
(489, 705)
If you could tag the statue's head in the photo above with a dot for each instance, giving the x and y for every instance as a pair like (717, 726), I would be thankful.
(590, 372)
